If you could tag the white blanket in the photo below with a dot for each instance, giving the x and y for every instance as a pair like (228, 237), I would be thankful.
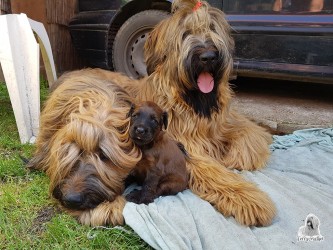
(299, 179)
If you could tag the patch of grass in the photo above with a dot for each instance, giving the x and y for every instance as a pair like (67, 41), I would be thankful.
(29, 218)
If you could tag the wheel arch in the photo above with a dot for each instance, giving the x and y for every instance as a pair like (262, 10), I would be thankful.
(94, 27)
(128, 10)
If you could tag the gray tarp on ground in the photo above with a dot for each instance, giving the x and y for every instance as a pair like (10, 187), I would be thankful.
(299, 179)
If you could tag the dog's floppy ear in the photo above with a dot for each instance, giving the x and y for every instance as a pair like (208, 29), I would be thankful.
(130, 112)
(165, 119)
(154, 49)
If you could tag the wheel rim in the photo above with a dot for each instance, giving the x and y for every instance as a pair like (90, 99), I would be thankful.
(134, 64)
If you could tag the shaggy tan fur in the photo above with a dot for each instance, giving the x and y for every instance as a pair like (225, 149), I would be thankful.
(218, 140)
(223, 141)
(84, 126)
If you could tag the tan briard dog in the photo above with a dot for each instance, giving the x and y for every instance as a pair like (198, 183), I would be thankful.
(189, 61)
(84, 148)
(82, 143)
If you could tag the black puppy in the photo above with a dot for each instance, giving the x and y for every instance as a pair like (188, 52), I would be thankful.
(162, 169)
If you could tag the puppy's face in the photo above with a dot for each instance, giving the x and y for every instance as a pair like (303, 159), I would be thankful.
(147, 120)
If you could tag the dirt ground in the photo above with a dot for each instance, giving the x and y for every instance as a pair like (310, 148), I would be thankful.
(284, 106)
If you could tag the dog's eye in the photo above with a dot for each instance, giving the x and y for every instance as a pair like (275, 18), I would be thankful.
(134, 115)
(155, 121)
(212, 28)
(103, 156)
(185, 34)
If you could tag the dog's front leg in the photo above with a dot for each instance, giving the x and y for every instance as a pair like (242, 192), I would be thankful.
(106, 213)
(149, 187)
(229, 193)
(248, 145)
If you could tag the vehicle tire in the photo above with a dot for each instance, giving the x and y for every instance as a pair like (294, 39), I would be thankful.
(127, 50)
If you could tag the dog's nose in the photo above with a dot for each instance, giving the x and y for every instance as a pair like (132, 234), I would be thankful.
(73, 200)
(208, 57)
(140, 130)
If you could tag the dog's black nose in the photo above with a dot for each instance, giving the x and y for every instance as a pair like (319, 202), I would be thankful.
(208, 57)
(140, 130)
(73, 200)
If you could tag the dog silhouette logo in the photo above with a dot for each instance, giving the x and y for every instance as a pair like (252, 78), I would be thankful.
(310, 231)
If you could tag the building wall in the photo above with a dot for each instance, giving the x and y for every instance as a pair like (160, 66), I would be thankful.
(4, 7)
(55, 16)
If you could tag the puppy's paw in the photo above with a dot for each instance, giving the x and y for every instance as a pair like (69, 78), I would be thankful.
(146, 199)
(134, 196)
(140, 197)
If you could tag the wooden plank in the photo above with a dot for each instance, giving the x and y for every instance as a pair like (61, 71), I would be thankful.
(60, 11)
(5, 7)
(65, 56)
(58, 15)
(55, 16)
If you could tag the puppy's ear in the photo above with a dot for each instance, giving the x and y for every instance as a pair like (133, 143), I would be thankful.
(130, 112)
(165, 119)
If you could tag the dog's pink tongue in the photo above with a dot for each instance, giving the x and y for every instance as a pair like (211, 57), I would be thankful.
(205, 82)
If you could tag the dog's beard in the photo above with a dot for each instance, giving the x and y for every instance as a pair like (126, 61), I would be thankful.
(204, 78)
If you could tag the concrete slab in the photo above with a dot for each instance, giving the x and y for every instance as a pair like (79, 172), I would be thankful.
(284, 107)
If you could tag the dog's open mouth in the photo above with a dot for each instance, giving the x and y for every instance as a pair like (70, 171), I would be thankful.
(205, 82)
(139, 140)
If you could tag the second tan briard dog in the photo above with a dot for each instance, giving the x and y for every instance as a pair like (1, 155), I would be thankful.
(83, 146)
(189, 61)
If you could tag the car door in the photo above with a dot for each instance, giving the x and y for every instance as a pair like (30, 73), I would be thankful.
(285, 39)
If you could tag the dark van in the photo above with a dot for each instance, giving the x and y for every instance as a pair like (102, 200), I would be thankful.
(282, 39)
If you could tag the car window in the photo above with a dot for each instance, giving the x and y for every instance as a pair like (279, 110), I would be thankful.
(277, 6)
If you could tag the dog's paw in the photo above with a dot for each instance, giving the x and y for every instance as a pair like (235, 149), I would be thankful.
(256, 215)
(140, 197)
(134, 196)
(230, 194)
(250, 208)
(106, 213)
(146, 200)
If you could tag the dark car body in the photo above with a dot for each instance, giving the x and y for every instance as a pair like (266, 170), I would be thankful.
(283, 39)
